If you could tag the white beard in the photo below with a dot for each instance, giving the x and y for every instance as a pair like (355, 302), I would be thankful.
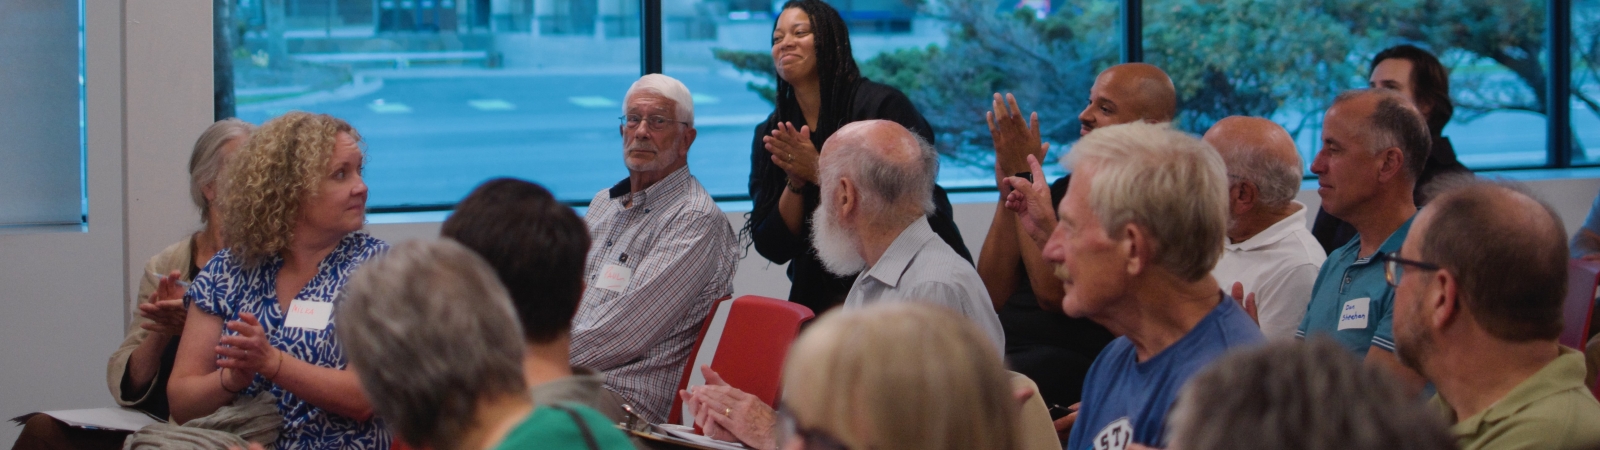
(834, 246)
(664, 157)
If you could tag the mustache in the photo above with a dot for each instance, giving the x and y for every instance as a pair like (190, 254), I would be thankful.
(1062, 273)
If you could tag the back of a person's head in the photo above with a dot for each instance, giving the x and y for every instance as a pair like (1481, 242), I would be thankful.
(431, 334)
(1309, 395)
(900, 376)
(536, 244)
(1507, 250)
(1167, 182)
(892, 168)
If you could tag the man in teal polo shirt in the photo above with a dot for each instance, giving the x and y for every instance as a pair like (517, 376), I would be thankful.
(1374, 144)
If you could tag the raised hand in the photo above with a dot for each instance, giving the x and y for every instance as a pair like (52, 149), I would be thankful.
(1030, 200)
(1015, 137)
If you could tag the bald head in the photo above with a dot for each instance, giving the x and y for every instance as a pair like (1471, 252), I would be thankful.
(1127, 93)
(1260, 152)
(1508, 252)
(892, 168)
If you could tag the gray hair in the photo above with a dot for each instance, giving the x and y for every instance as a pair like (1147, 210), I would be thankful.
(431, 332)
(665, 86)
(1311, 396)
(1396, 123)
(1277, 181)
(205, 163)
(1162, 180)
(886, 185)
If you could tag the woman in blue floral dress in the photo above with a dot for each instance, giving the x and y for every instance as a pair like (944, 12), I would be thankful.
(260, 315)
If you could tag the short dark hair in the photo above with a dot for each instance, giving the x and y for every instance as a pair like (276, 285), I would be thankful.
(1305, 395)
(1510, 263)
(537, 246)
(1430, 82)
(1395, 123)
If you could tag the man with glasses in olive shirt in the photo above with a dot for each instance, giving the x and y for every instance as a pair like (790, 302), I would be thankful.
(1480, 284)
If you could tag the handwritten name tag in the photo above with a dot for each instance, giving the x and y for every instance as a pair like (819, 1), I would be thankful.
(309, 315)
(614, 278)
(1354, 314)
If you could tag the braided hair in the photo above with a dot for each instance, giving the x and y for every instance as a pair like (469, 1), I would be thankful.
(838, 76)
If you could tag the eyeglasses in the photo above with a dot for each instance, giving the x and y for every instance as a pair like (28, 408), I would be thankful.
(789, 428)
(1392, 263)
(657, 123)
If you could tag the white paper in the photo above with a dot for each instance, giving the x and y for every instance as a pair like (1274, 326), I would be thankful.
(614, 278)
(306, 314)
(1354, 315)
(687, 433)
(105, 418)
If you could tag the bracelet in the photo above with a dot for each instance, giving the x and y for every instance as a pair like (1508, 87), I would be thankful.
(279, 369)
(224, 385)
(795, 188)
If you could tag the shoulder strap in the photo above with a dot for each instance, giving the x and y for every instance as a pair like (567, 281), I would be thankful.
(583, 427)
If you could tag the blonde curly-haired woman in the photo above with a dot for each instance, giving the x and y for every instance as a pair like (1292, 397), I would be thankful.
(260, 314)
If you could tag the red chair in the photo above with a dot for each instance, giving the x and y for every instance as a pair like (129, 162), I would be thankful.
(1582, 279)
(745, 340)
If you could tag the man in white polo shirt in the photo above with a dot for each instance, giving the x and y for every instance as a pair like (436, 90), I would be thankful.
(1269, 256)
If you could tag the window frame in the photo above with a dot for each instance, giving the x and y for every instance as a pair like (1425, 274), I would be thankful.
(1558, 76)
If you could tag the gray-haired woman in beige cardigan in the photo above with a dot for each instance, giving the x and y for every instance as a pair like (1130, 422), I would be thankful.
(138, 370)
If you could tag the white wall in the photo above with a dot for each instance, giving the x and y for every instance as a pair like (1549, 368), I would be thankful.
(63, 292)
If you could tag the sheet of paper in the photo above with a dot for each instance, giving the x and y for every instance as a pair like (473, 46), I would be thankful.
(105, 418)
(687, 433)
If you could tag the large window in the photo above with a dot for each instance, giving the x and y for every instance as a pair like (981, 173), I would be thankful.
(449, 93)
(1586, 81)
(42, 117)
(1286, 60)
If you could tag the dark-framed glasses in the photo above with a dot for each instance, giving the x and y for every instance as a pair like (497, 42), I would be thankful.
(656, 123)
(1393, 267)
(812, 439)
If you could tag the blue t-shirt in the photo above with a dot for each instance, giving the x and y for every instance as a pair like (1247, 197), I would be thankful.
(1126, 400)
(1351, 300)
(225, 288)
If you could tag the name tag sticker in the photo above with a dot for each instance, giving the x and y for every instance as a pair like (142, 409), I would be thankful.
(309, 315)
(1354, 314)
(1115, 436)
(614, 278)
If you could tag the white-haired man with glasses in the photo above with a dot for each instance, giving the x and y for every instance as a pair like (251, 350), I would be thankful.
(662, 254)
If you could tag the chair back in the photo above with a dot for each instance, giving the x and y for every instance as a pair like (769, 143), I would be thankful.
(745, 340)
(1582, 277)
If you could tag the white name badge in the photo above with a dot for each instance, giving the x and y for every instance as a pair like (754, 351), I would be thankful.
(1354, 315)
(1114, 436)
(614, 278)
(309, 315)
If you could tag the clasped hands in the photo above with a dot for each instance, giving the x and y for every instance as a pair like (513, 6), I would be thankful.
(793, 152)
(1018, 146)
